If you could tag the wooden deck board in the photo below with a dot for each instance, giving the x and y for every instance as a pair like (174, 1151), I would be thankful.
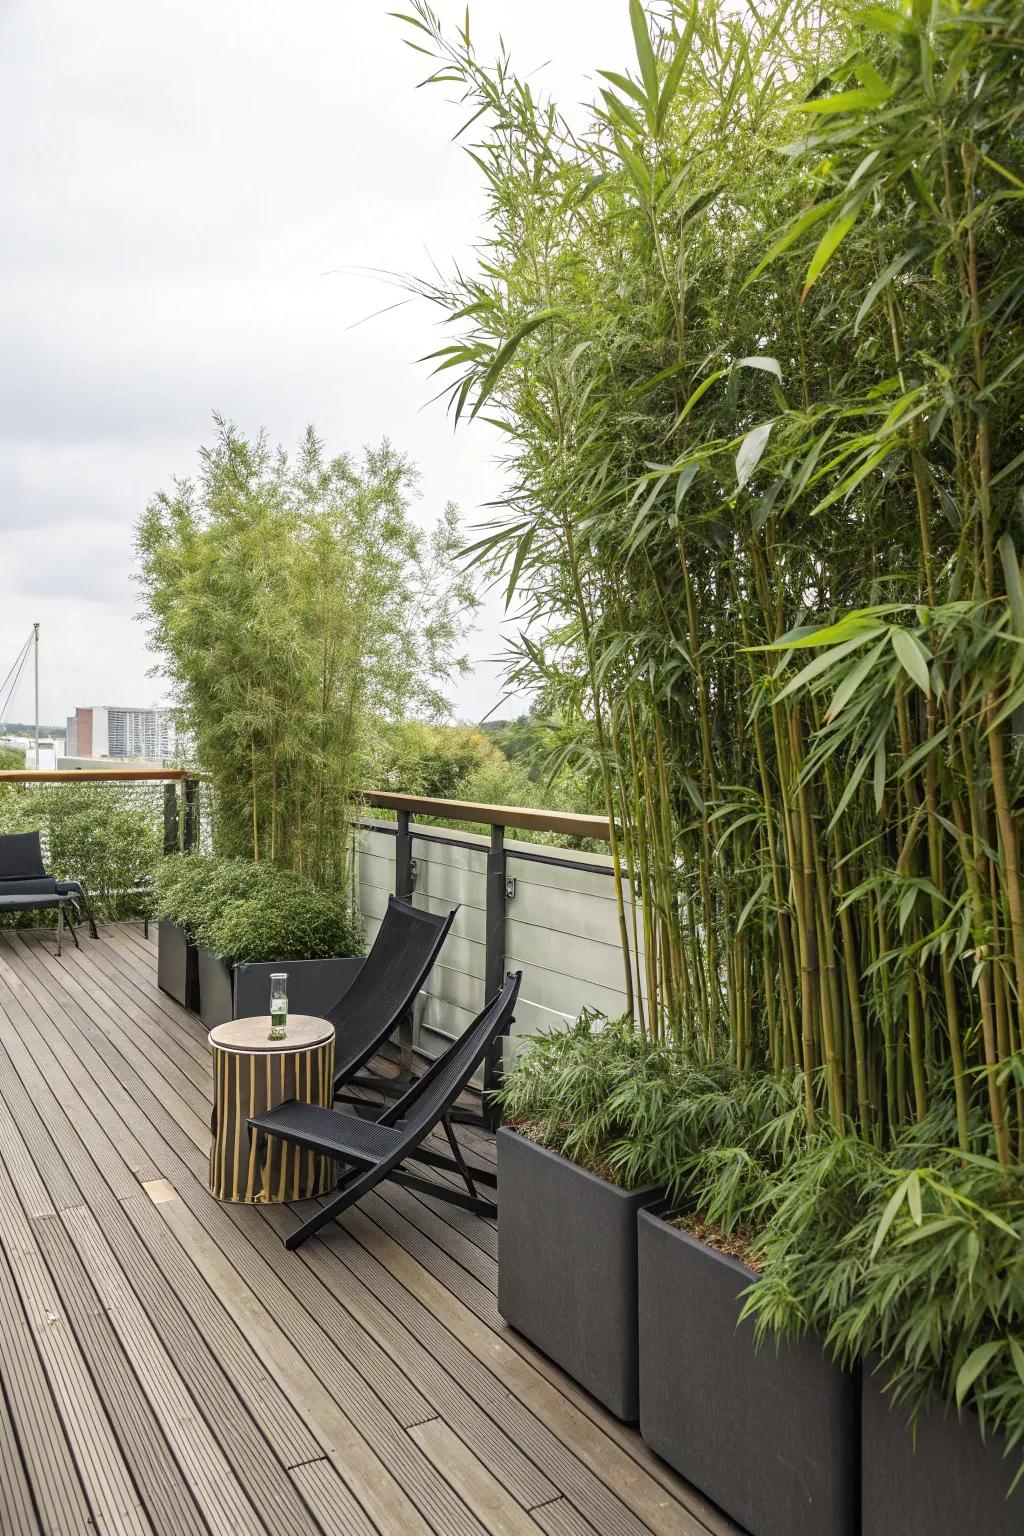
(167, 1366)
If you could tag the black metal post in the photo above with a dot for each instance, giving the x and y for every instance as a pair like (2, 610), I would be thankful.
(494, 960)
(171, 817)
(403, 857)
(403, 887)
(191, 816)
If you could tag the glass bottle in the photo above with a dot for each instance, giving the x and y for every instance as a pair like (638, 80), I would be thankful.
(278, 1005)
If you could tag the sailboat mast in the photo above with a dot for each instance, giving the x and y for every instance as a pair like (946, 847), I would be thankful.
(35, 629)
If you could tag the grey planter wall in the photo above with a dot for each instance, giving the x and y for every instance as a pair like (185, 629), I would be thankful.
(770, 1435)
(177, 966)
(216, 1003)
(948, 1484)
(567, 1266)
(238, 992)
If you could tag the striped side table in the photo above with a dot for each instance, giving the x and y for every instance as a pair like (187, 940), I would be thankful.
(251, 1074)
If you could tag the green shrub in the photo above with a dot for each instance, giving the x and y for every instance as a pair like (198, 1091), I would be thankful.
(243, 911)
(108, 836)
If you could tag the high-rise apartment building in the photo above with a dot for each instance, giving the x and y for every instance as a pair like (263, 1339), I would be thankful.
(109, 730)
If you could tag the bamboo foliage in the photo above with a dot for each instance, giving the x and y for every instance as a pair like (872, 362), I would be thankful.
(753, 335)
(294, 605)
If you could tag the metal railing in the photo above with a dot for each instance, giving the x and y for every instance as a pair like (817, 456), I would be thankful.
(181, 832)
(498, 887)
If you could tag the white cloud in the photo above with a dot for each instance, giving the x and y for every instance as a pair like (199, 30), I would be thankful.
(193, 197)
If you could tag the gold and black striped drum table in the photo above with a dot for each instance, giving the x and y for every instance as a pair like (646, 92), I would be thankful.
(251, 1074)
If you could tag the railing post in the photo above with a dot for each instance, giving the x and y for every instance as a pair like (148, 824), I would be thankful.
(190, 839)
(404, 882)
(170, 817)
(403, 858)
(494, 960)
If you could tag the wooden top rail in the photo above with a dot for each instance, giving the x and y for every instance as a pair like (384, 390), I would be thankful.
(530, 819)
(567, 823)
(94, 775)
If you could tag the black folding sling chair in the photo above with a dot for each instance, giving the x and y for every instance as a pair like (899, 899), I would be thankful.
(378, 1149)
(380, 998)
(25, 885)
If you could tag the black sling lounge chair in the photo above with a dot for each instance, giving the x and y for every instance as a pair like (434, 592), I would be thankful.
(26, 887)
(377, 1149)
(385, 987)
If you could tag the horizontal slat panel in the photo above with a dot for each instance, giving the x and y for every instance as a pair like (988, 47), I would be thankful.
(584, 959)
(564, 994)
(599, 883)
(533, 1019)
(449, 854)
(450, 883)
(376, 871)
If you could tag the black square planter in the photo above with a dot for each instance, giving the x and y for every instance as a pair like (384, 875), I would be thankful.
(771, 1435)
(242, 991)
(945, 1481)
(177, 965)
(567, 1266)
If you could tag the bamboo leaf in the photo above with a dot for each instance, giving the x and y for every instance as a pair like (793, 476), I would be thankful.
(973, 1366)
(879, 772)
(896, 1199)
(505, 353)
(912, 657)
(522, 550)
(853, 679)
(827, 660)
(623, 84)
(1017, 1354)
(751, 450)
(882, 281)
(914, 1197)
(863, 98)
(1014, 587)
(674, 73)
(697, 205)
(827, 247)
(799, 226)
(766, 364)
(645, 57)
(698, 393)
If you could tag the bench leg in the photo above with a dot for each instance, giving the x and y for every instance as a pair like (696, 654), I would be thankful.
(60, 927)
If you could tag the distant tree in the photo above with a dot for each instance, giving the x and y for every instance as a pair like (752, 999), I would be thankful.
(465, 762)
(293, 604)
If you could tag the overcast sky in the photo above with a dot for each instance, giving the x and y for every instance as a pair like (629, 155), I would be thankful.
(186, 192)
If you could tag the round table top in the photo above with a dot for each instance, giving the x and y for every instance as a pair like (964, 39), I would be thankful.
(252, 1035)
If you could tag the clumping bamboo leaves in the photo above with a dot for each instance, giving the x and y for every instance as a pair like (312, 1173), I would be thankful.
(293, 605)
(757, 518)
(781, 606)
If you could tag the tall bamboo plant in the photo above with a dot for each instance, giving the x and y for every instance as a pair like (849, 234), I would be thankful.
(753, 335)
(292, 603)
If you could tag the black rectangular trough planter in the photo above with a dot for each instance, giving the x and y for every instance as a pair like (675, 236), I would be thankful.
(769, 1434)
(948, 1483)
(242, 991)
(177, 965)
(567, 1266)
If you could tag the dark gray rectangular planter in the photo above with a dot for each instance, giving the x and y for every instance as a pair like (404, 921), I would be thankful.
(950, 1483)
(177, 965)
(241, 991)
(567, 1266)
(769, 1434)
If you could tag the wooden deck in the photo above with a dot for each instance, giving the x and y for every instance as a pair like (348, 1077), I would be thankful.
(167, 1366)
